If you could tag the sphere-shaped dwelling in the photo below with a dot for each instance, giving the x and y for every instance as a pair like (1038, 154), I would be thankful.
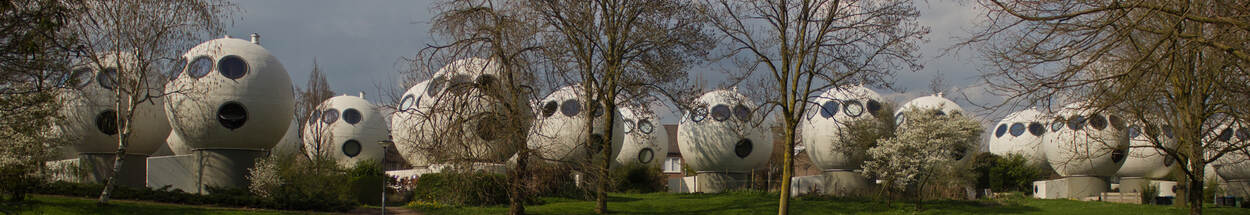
(941, 107)
(1085, 147)
(1234, 166)
(1146, 160)
(347, 129)
(461, 113)
(723, 137)
(290, 144)
(560, 133)
(91, 119)
(645, 140)
(1021, 133)
(824, 127)
(231, 103)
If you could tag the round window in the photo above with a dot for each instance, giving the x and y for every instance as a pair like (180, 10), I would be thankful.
(107, 122)
(853, 108)
(898, 119)
(1116, 122)
(1057, 124)
(351, 148)
(233, 67)
(1119, 154)
(1134, 131)
(571, 108)
(351, 116)
(550, 108)
(698, 114)
(596, 143)
(329, 116)
(829, 109)
(873, 106)
(646, 155)
(177, 69)
(1037, 129)
(629, 126)
(1098, 122)
(435, 86)
(1002, 129)
(200, 67)
(406, 103)
(488, 127)
(720, 112)
(742, 112)
(231, 115)
(107, 78)
(485, 81)
(81, 78)
(1017, 129)
(598, 111)
(1076, 123)
(1225, 135)
(743, 148)
(939, 113)
(316, 116)
(645, 126)
(1167, 130)
(461, 84)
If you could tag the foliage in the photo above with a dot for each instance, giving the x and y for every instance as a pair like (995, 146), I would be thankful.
(216, 196)
(42, 204)
(294, 183)
(927, 143)
(553, 180)
(1006, 174)
(638, 178)
(1148, 193)
(462, 188)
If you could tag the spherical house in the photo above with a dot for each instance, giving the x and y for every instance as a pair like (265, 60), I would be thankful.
(645, 141)
(825, 124)
(404, 126)
(1085, 146)
(1021, 133)
(943, 107)
(1145, 159)
(347, 129)
(560, 132)
(723, 137)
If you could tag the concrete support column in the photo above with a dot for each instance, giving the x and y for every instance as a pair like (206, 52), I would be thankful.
(718, 182)
(98, 166)
(1086, 186)
(845, 182)
(224, 168)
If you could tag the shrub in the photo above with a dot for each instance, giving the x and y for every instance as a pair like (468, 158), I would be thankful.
(636, 178)
(462, 188)
(1010, 173)
(302, 184)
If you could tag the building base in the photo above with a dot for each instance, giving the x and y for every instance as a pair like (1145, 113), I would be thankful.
(175, 172)
(1079, 187)
(845, 183)
(224, 168)
(1239, 188)
(718, 182)
(1050, 189)
(96, 168)
(1134, 184)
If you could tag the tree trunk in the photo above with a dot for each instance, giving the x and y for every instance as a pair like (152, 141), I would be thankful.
(787, 167)
(516, 201)
(120, 157)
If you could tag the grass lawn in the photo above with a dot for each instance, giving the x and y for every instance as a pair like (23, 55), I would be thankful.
(42, 204)
(764, 203)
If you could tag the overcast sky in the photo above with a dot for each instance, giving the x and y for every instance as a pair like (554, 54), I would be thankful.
(361, 44)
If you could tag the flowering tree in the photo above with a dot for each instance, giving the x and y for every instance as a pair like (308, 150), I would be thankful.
(925, 143)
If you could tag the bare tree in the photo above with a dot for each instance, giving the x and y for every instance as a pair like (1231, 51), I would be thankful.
(316, 91)
(809, 46)
(1183, 62)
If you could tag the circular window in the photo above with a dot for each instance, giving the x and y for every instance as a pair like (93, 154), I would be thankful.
(460, 84)
(351, 148)
(645, 126)
(1119, 154)
(1057, 124)
(1002, 129)
(1134, 131)
(435, 86)
(853, 108)
(406, 103)
(232, 115)
(1098, 122)
(107, 78)
(1225, 135)
(720, 112)
(107, 122)
(1076, 123)
(1017, 129)
(1116, 122)
(81, 78)
(646, 155)
(1037, 129)
(233, 67)
(200, 67)
(629, 126)
(1167, 130)
(488, 127)
(698, 114)
(742, 112)
(550, 108)
(177, 69)
(939, 113)
(486, 80)
(314, 118)
(829, 109)
(598, 110)
(873, 106)
(351, 116)
(596, 143)
(898, 119)
(329, 116)
(743, 148)
(571, 108)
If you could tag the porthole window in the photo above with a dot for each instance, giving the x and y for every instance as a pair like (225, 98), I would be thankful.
(1057, 124)
(1116, 122)
(645, 126)
(351, 148)
(1225, 135)
(853, 108)
(231, 115)
(460, 84)
(329, 116)
(107, 122)
(898, 119)
(1076, 123)
(351, 116)
(742, 112)
(81, 78)
(939, 113)
(829, 109)
(743, 148)
(873, 106)
(550, 108)
(571, 108)
(1098, 122)
(629, 126)
(1002, 129)
(435, 86)
(107, 78)
(698, 114)
(316, 116)
(1017, 129)
(486, 81)
(200, 67)
(232, 67)
(646, 155)
(1037, 129)
(1133, 132)
(177, 70)
(406, 103)
(1119, 154)
(1167, 130)
(598, 110)
(720, 112)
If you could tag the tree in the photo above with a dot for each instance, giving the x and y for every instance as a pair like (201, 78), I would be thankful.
(316, 91)
(1179, 64)
(151, 34)
(811, 45)
(924, 144)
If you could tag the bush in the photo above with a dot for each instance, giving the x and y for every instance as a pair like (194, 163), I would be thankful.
(462, 189)
(636, 178)
(1010, 173)
(552, 180)
(301, 184)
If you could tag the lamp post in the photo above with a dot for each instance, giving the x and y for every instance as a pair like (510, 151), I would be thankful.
(385, 177)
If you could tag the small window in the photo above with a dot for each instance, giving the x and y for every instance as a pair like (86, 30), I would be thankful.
(698, 114)
(1002, 129)
(873, 106)
(1057, 124)
(330, 116)
(232, 67)
(1076, 123)
(435, 86)
(107, 122)
(461, 84)
(351, 148)
(107, 78)
(742, 112)
(629, 126)
(645, 126)
(1225, 135)
(743, 148)
(316, 116)
(571, 108)
(829, 109)
(1134, 131)
(177, 69)
(1167, 130)
(646, 155)
(550, 108)
(720, 112)
(1017, 129)
(231, 115)
(351, 116)
(898, 119)
(853, 108)
(200, 67)
(1116, 122)
(1098, 122)
(1037, 129)
(598, 110)
(939, 113)
(406, 103)
(486, 81)
(672, 165)
(81, 78)
(1119, 154)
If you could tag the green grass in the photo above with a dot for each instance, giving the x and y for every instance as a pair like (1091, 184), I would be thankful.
(766, 203)
(41, 204)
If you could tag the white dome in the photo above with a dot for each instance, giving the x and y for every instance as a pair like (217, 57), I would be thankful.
(232, 95)
(943, 105)
(1083, 143)
(1021, 133)
(827, 119)
(346, 129)
(290, 144)
(559, 132)
(1144, 159)
(723, 133)
(1234, 165)
(403, 126)
(90, 110)
(645, 141)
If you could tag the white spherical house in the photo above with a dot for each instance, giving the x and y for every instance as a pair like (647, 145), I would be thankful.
(645, 140)
(822, 128)
(560, 133)
(347, 129)
(1145, 160)
(943, 107)
(1021, 133)
(723, 137)
(404, 126)
(1234, 166)
(1085, 147)
(232, 102)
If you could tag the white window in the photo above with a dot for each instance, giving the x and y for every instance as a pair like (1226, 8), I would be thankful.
(672, 165)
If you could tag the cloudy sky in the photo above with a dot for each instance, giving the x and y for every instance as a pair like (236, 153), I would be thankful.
(360, 45)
